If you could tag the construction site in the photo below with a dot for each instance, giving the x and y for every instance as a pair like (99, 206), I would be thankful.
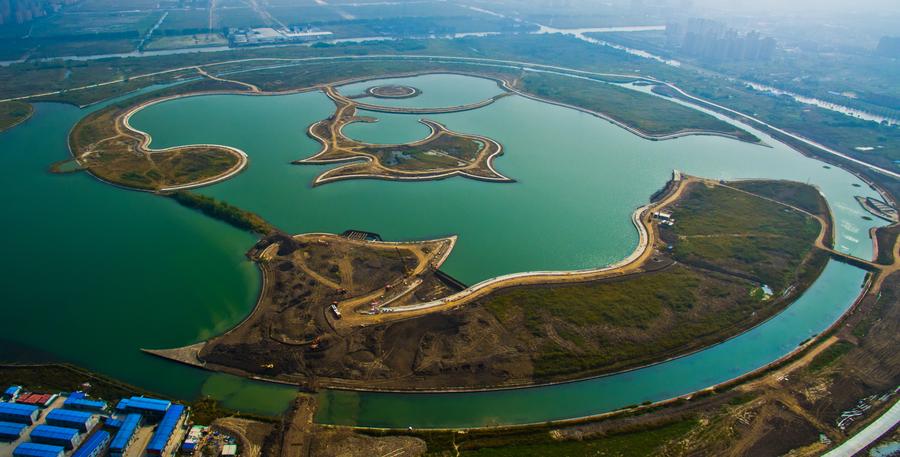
(354, 311)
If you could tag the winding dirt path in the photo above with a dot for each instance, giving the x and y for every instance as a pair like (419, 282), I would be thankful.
(204, 73)
(347, 150)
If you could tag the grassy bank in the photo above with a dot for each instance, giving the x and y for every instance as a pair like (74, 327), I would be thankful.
(887, 239)
(14, 113)
(724, 230)
(223, 211)
(65, 378)
(797, 194)
(832, 129)
(311, 74)
(727, 243)
(634, 441)
(652, 115)
(60, 377)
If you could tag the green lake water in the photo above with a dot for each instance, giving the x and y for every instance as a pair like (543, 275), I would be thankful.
(95, 273)
(437, 90)
(98, 272)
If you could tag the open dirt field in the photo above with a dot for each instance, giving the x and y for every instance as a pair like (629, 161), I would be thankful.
(696, 283)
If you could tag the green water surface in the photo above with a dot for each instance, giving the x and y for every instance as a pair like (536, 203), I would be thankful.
(96, 272)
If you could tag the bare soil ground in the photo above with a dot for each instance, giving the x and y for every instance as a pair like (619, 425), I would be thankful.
(251, 434)
(516, 335)
(294, 334)
(298, 436)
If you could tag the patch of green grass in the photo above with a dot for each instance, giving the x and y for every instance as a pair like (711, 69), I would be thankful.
(310, 74)
(797, 194)
(223, 211)
(727, 242)
(14, 112)
(721, 228)
(632, 307)
(636, 443)
(743, 398)
(628, 303)
(652, 115)
(206, 410)
(758, 293)
(65, 378)
(830, 355)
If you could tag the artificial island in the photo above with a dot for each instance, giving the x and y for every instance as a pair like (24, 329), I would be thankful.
(342, 312)
(715, 258)
(441, 154)
(356, 312)
(106, 145)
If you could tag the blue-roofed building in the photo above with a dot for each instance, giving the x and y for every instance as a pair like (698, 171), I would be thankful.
(38, 450)
(81, 420)
(95, 445)
(11, 431)
(85, 404)
(77, 395)
(111, 423)
(165, 430)
(57, 436)
(144, 405)
(11, 393)
(125, 435)
(19, 413)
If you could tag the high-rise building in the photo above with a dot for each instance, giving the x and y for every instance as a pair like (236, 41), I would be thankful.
(712, 41)
(22, 11)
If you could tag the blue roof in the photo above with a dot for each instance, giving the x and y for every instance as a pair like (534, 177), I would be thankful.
(97, 440)
(166, 427)
(123, 436)
(145, 403)
(84, 403)
(68, 415)
(113, 423)
(37, 450)
(11, 428)
(53, 432)
(77, 395)
(12, 390)
(17, 409)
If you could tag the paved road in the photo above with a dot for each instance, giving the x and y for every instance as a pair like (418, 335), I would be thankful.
(869, 434)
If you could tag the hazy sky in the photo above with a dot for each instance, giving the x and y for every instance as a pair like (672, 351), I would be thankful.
(811, 6)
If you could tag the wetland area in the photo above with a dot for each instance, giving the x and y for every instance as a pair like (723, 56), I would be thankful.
(578, 180)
